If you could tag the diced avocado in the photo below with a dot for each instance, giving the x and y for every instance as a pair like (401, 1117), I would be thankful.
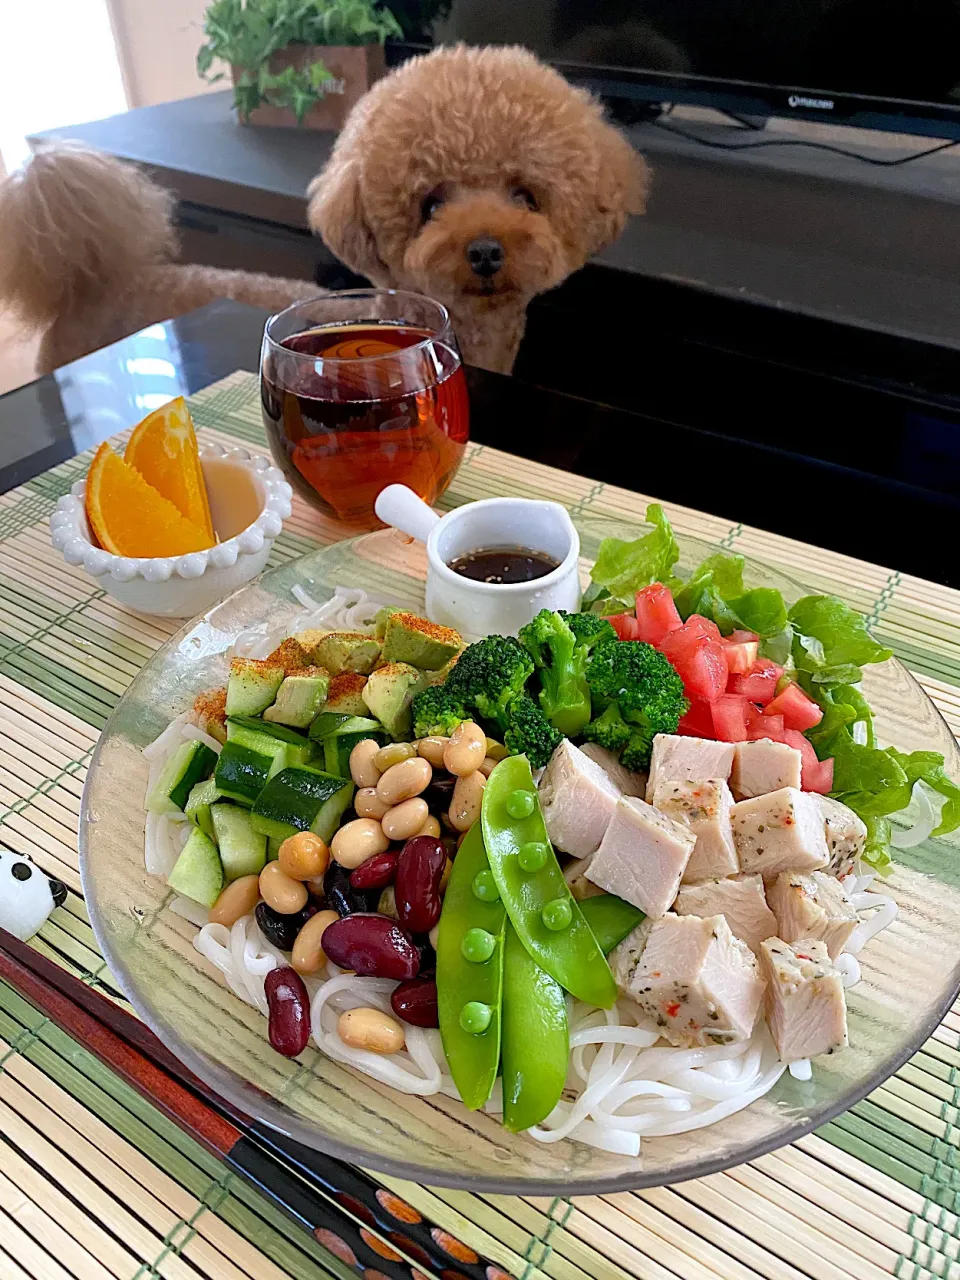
(243, 772)
(210, 710)
(382, 617)
(280, 731)
(289, 654)
(422, 643)
(243, 851)
(346, 651)
(198, 872)
(345, 695)
(388, 694)
(252, 686)
(301, 799)
(438, 677)
(300, 698)
(189, 764)
(199, 802)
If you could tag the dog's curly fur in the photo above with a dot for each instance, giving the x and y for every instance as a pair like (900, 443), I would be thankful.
(503, 145)
(497, 145)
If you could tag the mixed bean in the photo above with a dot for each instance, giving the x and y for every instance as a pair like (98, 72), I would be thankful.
(371, 900)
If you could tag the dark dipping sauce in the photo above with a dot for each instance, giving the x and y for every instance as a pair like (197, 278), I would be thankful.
(504, 565)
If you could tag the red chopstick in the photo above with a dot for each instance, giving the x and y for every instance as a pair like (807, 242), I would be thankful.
(324, 1195)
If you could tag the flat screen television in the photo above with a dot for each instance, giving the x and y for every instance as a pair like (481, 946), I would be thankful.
(889, 64)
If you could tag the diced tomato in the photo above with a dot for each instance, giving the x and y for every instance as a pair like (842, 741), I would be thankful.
(765, 727)
(811, 771)
(759, 684)
(740, 650)
(730, 718)
(819, 777)
(698, 722)
(656, 614)
(798, 710)
(698, 625)
(625, 625)
(698, 658)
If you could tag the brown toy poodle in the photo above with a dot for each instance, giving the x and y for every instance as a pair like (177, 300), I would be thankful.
(480, 177)
(477, 176)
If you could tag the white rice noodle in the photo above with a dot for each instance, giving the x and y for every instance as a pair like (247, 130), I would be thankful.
(166, 742)
(633, 1088)
(415, 1069)
(164, 837)
(848, 967)
(242, 955)
(348, 609)
(801, 1069)
(922, 813)
(883, 916)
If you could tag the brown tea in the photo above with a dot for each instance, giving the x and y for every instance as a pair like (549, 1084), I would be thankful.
(380, 404)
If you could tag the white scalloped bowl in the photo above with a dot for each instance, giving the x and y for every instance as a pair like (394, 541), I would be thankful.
(249, 501)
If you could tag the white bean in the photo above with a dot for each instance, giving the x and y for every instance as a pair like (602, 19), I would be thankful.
(405, 819)
(359, 840)
(370, 1029)
(362, 769)
(405, 780)
(467, 799)
(432, 749)
(368, 804)
(466, 749)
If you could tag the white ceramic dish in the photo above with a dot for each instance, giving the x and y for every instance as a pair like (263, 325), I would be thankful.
(478, 608)
(249, 501)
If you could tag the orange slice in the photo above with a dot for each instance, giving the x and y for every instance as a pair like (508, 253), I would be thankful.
(130, 518)
(163, 448)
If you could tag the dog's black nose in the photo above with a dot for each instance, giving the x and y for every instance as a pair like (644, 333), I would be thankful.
(485, 256)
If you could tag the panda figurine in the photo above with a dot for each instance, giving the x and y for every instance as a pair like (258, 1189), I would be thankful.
(27, 895)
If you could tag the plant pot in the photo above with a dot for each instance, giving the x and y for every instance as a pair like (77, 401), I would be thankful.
(353, 69)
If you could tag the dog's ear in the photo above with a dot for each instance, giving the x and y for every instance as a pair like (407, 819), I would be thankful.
(335, 212)
(623, 186)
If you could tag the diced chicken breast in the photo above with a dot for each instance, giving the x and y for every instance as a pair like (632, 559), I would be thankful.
(677, 758)
(625, 780)
(739, 899)
(763, 766)
(704, 807)
(577, 799)
(642, 856)
(845, 833)
(813, 906)
(692, 977)
(575, 875)
(804, 1002)
(781, 831)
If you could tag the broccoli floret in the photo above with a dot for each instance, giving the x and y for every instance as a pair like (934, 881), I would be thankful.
(560, 644)
(530, 733)
(589, 628)
(636, 694)
(437, 711)
(489, 675)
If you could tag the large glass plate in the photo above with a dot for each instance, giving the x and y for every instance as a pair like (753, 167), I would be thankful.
(911, 972)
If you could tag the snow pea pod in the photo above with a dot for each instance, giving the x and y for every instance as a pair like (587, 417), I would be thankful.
(536, 1042)
(538, 901)
(610, 918)
(470, 972)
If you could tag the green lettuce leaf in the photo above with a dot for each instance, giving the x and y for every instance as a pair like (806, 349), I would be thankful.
(715, 590)
(843, 640)
(623, 568)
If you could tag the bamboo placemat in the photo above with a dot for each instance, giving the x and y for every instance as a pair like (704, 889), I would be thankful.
(94, 1182)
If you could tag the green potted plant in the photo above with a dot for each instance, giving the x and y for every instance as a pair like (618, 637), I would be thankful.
(296, 62)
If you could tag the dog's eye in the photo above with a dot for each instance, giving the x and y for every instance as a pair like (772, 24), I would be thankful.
(520, 195)
(430, 205)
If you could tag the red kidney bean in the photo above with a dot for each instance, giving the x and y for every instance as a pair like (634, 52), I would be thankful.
(289, 1007)
(415, 1002)
(417, 884)
(373, 946)
(376, 873)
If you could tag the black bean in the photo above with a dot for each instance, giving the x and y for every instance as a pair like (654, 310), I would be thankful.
(279, 929)
(340, 896)
(428, 957)
(439, 793)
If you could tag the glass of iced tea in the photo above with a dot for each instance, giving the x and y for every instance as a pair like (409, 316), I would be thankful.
(359, 390)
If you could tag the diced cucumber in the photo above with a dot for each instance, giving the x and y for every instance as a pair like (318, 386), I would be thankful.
(189, 764)
(252, 686)
(198, 872)
(266, 744)
(331, 724)
(301, 799)
(273, 848)
(242, 773)
(337, 748)
(199, 801)
(299, 698)
(281, 731)
(243, 851)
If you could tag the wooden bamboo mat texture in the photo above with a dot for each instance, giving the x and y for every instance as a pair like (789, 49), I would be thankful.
(94, 1182)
